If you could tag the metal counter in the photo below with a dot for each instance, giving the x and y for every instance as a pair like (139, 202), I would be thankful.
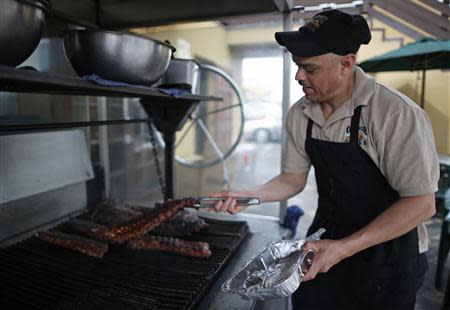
(263, 229)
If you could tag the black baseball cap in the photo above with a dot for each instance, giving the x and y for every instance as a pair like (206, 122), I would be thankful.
(330, 31)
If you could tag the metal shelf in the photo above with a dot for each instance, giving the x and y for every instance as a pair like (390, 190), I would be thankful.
(166, 112)
(29, 81)
(38, 127)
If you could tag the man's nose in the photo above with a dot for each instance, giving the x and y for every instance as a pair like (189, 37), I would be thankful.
(300, 75)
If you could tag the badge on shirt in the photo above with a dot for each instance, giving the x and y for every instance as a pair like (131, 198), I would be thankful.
(362, 135)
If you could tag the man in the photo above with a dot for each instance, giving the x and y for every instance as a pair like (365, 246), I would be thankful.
(376, 168)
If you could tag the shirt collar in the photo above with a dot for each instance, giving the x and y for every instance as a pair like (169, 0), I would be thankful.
(364, 90)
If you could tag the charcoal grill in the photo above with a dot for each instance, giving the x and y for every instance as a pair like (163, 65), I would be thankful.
(38, 275)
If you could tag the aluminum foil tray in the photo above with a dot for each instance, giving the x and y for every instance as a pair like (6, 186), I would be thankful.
(276, 271)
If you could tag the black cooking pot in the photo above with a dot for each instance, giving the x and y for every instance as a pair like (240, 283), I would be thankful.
(21, 26)
(183, 71)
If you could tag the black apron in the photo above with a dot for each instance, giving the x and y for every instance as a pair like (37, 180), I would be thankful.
(352, 192)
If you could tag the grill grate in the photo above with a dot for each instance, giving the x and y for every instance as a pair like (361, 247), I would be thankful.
(38, 275)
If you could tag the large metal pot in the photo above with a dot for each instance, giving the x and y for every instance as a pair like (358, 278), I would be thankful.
(117, 56)
(21, 25)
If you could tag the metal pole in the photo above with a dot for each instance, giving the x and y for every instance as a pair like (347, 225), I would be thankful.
(169, 140)
(287, 26)
(104, 144)
(422, 95)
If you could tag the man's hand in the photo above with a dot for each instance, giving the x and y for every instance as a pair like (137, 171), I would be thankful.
(282, 187)
(229, 205)
(327, 254)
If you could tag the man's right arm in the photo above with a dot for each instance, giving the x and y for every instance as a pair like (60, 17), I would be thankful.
(282, 187)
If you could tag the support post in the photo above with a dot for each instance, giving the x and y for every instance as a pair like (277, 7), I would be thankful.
(287, 26)
(104, 144)
(422, 94)
(169, 140)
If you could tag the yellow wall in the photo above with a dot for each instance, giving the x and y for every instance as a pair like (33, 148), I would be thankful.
(207, 40)
(258, 35)
(437, 93)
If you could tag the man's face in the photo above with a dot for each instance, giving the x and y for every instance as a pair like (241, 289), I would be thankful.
(320, 76)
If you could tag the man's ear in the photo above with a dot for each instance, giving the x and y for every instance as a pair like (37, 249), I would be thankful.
(348, 62)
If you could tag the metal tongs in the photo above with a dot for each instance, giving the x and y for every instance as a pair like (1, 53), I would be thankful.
(210, 202)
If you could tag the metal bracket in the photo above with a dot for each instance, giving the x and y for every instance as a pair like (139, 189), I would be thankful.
(168, 117)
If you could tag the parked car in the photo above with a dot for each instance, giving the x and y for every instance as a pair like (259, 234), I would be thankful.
(262, 130)
(262, 122)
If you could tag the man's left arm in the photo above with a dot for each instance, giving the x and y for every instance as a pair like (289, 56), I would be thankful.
(404, 215)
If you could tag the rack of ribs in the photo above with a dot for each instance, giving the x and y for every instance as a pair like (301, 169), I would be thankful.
(80, 227)
(74, 242)
(168, 244)
(138, 227)
(183, 224)
(111, 212)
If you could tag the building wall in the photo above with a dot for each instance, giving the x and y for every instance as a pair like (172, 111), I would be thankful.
(437, 93)
(247, 36)
(207, 40)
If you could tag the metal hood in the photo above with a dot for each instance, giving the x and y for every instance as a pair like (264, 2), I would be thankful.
(119, 14)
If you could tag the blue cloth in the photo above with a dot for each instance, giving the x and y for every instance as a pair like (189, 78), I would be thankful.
(293, 214)
(175, 92)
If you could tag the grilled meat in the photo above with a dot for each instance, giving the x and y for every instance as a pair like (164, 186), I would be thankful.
(182, 224)
(136, 228)
(74, 242)
(174, 245)
(80, 226)
(111, 212)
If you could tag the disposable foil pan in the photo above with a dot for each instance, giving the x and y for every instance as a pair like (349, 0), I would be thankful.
(276, 271)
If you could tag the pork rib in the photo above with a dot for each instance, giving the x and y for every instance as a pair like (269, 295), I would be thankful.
(138, 227)
(111, 212)
(80, 226)
(174, 245)
(183, 224)
(86, 246)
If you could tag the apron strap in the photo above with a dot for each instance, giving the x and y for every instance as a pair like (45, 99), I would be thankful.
(354, 126)
(309, 129)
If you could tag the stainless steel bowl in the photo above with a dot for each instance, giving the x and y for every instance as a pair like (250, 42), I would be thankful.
(117, 56)
(21, 25)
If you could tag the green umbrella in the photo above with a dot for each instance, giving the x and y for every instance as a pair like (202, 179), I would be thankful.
(424, 54)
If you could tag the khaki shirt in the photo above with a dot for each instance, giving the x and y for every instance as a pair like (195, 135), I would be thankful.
(394, 131)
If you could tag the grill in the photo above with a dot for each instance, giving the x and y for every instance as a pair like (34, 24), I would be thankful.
(37, 275)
